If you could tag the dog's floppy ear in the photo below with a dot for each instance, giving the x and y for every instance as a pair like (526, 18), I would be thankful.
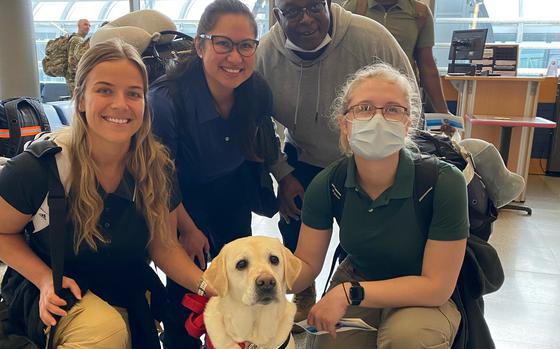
(216, 275)
(292, 267)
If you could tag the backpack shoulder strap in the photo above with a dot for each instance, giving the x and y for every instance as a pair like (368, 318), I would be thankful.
(46, 150)
(337, 189)
(421, 14)
(338, 196)
(43, 148)
(426, 173)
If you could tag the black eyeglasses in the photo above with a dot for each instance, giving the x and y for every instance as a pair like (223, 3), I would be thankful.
(366, 112)
(296, 13)
(223, 44)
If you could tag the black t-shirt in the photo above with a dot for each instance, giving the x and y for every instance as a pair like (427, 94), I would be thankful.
(117, 265)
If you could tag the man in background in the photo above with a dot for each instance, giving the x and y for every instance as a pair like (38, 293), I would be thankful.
(77, 45)
(412, 24)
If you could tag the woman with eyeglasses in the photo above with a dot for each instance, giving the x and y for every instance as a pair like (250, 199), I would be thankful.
(206, 111)
(403, 258)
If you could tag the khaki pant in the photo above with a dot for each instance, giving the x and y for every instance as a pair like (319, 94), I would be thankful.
(398, 328)
(93, 324)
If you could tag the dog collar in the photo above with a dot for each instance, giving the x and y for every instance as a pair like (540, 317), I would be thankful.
(254, 346)
(285, 344)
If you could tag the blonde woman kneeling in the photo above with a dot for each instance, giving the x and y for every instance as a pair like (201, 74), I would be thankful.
(401, 277)
(121, 213)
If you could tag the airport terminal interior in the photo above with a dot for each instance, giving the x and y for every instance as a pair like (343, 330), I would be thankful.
(497, 61)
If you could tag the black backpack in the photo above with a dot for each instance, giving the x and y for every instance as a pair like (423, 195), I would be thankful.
(21, 119)
(158, 55)
(482, 211)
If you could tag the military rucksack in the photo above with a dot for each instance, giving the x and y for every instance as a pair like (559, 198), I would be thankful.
(55, 62)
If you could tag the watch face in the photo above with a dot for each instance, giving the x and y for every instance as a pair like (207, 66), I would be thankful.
(356, 293)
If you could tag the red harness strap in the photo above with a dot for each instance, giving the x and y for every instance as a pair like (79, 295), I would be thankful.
(195, 322)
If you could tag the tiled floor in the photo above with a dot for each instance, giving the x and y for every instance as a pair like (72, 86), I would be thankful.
(525, 312)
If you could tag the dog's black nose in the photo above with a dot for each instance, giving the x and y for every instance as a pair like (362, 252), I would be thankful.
(265, 283)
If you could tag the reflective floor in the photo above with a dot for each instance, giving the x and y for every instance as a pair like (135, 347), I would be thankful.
(525, 312)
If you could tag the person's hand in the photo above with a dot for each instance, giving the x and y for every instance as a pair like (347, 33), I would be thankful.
(288, 189)
(50, 303)
(196, 245)
(326, 314)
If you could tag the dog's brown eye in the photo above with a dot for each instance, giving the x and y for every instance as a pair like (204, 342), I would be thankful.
(242, 264)
(274, 260)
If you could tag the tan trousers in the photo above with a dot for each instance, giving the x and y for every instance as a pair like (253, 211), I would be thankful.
(398, 328)
(93, 324)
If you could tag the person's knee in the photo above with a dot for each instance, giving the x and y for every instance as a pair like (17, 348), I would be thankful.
(412, 328)
(93, 323)
(414, 337)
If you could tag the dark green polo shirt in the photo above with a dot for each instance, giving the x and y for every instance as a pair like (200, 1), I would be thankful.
(381, 236)
(400, 20)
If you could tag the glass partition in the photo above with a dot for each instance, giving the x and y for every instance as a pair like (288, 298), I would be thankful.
(186, 13)
(53, 18)
(533, 24)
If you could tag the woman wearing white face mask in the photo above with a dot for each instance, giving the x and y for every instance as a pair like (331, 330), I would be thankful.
(399, 274)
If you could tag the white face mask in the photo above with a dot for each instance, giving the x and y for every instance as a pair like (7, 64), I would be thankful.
(291, 46)
(377, 138)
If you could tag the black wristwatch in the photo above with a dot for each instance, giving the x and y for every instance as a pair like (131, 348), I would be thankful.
(356, 293)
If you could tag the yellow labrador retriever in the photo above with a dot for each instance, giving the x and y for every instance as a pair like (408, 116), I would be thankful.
(251, 276)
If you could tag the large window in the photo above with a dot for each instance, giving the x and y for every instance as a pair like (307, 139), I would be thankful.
(53, 18)
(186, 13)
(533, 24)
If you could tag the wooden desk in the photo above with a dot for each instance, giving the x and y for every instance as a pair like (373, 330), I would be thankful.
(491, 93)
(501, 96)
(507, 124)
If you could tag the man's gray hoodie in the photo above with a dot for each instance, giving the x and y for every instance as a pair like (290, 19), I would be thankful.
(303, 91)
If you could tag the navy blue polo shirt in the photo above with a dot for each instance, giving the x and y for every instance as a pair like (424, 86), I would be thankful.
(202, 143)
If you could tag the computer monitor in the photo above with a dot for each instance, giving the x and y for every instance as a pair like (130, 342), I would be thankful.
(466, 45)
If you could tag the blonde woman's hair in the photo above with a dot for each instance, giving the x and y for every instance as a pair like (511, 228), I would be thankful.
(148, 161)
(384, 72)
